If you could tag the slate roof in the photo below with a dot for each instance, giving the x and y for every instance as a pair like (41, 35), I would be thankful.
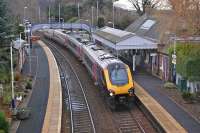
(113, 35)
(152, 32)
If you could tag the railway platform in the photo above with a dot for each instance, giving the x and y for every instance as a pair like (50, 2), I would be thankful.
(46, 99)
(167, 113)
(40, 88)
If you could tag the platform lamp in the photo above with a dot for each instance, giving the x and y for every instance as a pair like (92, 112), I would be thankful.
(63, 21)
(10, 37)
(113, 13)
(173, 38)
(25, 12)
(89, 27)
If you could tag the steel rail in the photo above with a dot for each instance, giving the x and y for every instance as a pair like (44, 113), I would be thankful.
(56, 50)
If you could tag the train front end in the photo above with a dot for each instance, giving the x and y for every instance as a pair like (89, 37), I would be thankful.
(120, 84)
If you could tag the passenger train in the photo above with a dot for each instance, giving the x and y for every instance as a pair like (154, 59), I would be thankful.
(111, 74)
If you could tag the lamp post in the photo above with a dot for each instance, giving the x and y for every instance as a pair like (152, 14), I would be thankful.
(12, 78)
(174, 59)
(20, 41)
(49, 14)
(92, 17)
(89, 24)
(39, 14)
(172, 37)
(59, 13)
(25, 12)
(63, 21)
(78, 11)
(97, 9)
(113, 14)
(12, 73)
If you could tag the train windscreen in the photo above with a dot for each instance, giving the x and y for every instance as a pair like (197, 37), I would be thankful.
(118, 76)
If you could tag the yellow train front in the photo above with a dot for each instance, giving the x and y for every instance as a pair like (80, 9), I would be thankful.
(119, 84)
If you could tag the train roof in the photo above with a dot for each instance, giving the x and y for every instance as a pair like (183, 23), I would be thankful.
(102, 57)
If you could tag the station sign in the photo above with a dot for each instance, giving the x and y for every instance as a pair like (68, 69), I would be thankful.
(174, 59)
(173, 56)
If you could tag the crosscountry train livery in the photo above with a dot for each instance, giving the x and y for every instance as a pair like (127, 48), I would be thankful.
(111, 74)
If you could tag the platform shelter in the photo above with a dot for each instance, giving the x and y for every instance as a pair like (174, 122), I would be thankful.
(134, 49)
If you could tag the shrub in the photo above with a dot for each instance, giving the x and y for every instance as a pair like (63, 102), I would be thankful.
(72, 20)
(7, 98)
(188, 96)
(4, 126)
(169, 85)
(101, 22)
(2, 131)
(188, 60)
(29, 85)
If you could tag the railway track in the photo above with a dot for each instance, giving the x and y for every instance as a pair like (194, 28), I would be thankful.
(127, 121)
(74, 96)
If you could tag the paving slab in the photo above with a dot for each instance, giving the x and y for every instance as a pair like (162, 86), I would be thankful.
(151, 85)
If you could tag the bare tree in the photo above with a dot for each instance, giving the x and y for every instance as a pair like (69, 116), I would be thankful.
(189, 10)
(141, 5)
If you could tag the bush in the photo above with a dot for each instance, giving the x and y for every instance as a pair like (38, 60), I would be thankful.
(7, 98)
(188, 60)
(169, 85)
(188, 96)
(72, 20)
(101, 22)
(3, 123)
(2, 131)
(29, 85)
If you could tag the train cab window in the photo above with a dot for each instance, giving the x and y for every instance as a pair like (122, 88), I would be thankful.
(118, 76)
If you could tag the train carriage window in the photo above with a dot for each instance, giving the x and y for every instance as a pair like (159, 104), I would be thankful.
(88, 61)
(72, 44)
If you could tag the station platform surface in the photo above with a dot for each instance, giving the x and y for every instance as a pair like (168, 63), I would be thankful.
(39, 98)
(150, 84)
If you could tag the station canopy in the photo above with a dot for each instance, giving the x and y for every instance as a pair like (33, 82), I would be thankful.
(122, 40)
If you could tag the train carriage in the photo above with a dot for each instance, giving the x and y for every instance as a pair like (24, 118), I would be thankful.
(111, 74)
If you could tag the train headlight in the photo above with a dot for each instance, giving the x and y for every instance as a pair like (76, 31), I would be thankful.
(112, 93)
(131, 91)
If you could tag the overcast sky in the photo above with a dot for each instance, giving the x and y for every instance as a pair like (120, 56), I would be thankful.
(125, 4)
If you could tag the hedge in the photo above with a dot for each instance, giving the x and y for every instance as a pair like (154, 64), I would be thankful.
(188, 60)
